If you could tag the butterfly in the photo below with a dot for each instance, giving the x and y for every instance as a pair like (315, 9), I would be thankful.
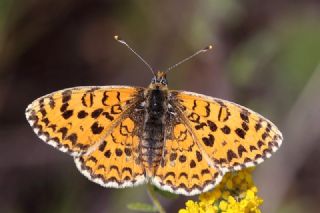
(182, 142)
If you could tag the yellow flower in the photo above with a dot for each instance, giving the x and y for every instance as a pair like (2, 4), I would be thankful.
(223, 205)
(235, 194)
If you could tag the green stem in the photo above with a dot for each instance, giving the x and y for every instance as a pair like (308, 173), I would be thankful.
(154, 198)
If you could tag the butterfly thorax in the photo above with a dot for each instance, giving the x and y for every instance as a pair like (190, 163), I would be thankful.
(155, 109)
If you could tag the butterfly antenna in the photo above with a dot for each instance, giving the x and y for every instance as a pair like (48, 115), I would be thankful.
(118, 39)
(188, 58)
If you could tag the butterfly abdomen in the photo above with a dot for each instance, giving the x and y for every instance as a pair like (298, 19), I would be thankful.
(153, 128)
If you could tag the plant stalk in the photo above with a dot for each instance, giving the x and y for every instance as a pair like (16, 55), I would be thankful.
(154, 198)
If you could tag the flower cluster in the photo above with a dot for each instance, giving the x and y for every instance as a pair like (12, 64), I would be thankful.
(235, 194)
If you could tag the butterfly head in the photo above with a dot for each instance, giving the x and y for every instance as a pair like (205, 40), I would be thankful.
(159, 80)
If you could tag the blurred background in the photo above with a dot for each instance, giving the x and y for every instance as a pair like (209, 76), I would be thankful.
(266, 57)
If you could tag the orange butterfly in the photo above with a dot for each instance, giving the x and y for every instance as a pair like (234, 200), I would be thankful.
(180, 141)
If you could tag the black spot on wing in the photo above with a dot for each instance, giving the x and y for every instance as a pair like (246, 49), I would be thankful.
(199, 156)
(244, 115)
(51, 102)
(170, 174)
(258, 125)
(192, 164)
(64, 107)
(213, 127)
(96, 113)
(245, 126)
(116, 109)
(264, 135)
(260, 144)
(200, 126)
(102, 146)
(82, 114)
(73, 138)
(253, 148)
(240, 132)
(182, 158)
(207, 110)
(89, 102)
(127, 151)
(107, 154)
(127, 169)
(173, 156)
(208, 141)
(45, 121)
(183, 174)
(63, 131)
(194, 105)
(241, 150)
(96, 129)
(119, 152)
(104, 99)
(93, 159)
(205, 171)
(226, 130)
(118, 96)
(43, 112)
(67, 114)
(66, 95)
(108, 116)
(231, 155)
(193, 117)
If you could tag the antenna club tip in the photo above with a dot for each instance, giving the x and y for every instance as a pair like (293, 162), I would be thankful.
(116, 37)
(210, 47)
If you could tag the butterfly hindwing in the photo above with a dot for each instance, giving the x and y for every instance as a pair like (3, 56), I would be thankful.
(116, 162)
(184, 168)
(233, 136)
(75, 119)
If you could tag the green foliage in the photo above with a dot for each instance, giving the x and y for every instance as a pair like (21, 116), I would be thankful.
(165, 194)
(142, 207)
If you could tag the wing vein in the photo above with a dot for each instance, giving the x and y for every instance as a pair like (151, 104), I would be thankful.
(195, 138)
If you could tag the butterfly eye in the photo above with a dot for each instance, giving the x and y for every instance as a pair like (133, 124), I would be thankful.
(163, 81)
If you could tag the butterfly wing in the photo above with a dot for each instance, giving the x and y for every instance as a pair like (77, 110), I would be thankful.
(207, 137)
(233, 136)
(116, 162)
(184, 168)
(77, 120)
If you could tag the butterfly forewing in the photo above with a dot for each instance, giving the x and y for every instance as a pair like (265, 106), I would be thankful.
(75, 119)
